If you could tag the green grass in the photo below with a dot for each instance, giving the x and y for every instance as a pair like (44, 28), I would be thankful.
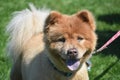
(106, 64)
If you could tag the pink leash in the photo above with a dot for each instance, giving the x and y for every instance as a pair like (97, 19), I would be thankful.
(108, 42)
(103, 47)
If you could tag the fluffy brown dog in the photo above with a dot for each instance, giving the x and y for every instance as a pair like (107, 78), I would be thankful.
(51, 46)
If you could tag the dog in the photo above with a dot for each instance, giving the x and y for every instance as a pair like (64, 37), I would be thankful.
(49, 45)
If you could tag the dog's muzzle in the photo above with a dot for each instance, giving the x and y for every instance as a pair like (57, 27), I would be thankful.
(72, 53)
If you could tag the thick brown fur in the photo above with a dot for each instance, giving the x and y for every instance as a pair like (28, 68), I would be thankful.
(47, 49)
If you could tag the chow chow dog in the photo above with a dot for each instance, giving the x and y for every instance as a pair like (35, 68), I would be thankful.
(49, 45)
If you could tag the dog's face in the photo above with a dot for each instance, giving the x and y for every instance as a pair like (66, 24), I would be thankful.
(70, 39)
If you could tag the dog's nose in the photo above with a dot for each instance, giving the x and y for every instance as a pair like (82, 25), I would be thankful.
(72, 53)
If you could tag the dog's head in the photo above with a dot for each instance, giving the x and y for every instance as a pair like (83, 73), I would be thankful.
(70, 39)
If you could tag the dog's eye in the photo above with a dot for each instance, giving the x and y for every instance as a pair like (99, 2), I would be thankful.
(61, 40)
(79, 38)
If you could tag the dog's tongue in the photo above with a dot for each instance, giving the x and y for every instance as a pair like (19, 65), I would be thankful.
(73, 64)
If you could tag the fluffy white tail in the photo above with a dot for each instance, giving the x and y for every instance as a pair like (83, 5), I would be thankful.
(23, 26)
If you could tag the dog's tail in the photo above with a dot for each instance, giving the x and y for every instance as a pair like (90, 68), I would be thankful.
(22, 27)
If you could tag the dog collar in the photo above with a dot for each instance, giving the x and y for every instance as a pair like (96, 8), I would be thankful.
(67, 74)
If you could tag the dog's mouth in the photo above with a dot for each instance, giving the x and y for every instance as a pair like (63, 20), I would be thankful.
(72, 59)
(73, 64)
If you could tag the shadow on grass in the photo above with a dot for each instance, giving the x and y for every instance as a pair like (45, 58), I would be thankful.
(110, 18)
(105, 71)
(113, 48)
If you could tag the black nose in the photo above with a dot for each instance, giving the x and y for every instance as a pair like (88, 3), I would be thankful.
(72, 53)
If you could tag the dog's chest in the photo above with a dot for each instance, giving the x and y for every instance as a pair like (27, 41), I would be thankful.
(39, 68)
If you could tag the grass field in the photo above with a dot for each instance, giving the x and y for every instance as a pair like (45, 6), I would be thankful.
(106, 64)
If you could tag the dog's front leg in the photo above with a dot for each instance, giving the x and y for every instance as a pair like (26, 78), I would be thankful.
(16, 71)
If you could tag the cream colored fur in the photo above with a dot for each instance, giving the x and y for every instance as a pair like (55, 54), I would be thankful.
(24, 25)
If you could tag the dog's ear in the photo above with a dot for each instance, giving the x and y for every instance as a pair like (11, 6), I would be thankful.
(86, 16)
(53, 18)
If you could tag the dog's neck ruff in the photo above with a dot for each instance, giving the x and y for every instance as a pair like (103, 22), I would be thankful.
(67, 74)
